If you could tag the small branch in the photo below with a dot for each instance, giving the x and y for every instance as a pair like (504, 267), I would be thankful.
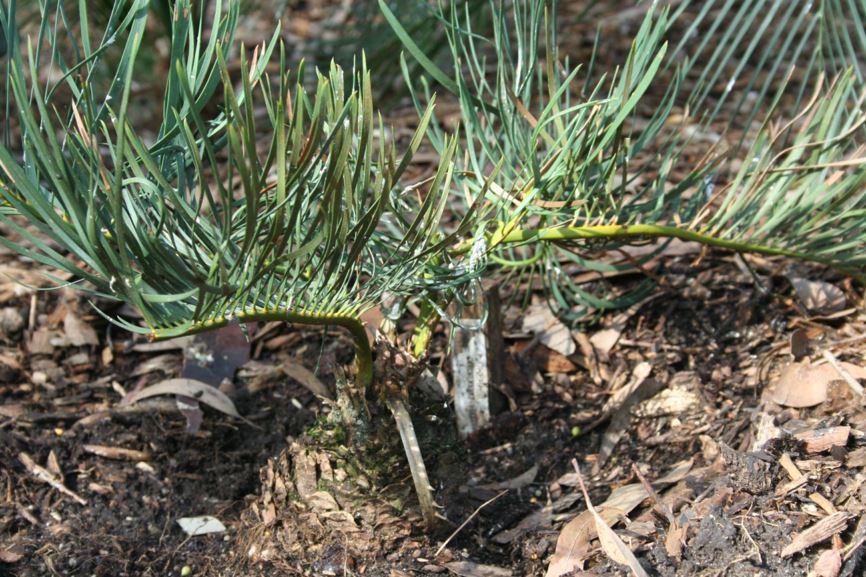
(416, 461)
(469, 518)
(44, 475)
(856, 387)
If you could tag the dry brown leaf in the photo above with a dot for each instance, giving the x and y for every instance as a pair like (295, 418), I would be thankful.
(10, 555)
(551, 362)
(679, 472)
(604, 340)
(77, 332)
(614, 547)
(573, 544)
(46, 476)
(674, 541)
(518, 482)
(53, 465)
(803, 385)
(829, 564)
(202, 392)
(611, 544)
(470, 569)
(818, 296)
(307, 378)
(856, 371)
(550, 331)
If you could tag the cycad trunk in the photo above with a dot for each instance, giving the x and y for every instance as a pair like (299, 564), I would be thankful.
(357, 437)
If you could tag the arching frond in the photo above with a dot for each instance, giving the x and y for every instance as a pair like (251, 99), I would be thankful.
(737, 124)
(287, 204)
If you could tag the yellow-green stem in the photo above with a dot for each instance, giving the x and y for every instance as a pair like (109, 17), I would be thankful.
(554, 234)
(427, 320)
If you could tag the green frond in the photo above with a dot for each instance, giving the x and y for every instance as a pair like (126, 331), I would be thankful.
(297, 213)
(783, 76)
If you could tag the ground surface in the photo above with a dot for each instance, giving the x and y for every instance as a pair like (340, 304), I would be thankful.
(755, 468)
(703, 370)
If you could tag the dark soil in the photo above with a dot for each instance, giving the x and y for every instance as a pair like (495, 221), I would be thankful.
(735, 517)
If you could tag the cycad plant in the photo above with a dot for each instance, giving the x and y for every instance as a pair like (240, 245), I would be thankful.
(257, 198)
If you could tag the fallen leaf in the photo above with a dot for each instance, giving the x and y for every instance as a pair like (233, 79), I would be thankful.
(550, 331)
(214, 356)
(307, 378)
(518, 482)
(201, 525)
(604, 340)
(800, 344)
(202, 392)
(470, 569)
(667, 402)
(818, 296)
(677, 473)
(611, 544)
(674, 541)
(856, 371)
(77, 332)
(10, 556)
(573, 543)
(551, 362)
(829, 564)
(802, 385)
(614, 547)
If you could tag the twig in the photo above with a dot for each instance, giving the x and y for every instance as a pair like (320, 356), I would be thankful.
(416, 461)
(852, 382)
(662, 507)
(118, 453)
(469, 518)
(44, 475)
